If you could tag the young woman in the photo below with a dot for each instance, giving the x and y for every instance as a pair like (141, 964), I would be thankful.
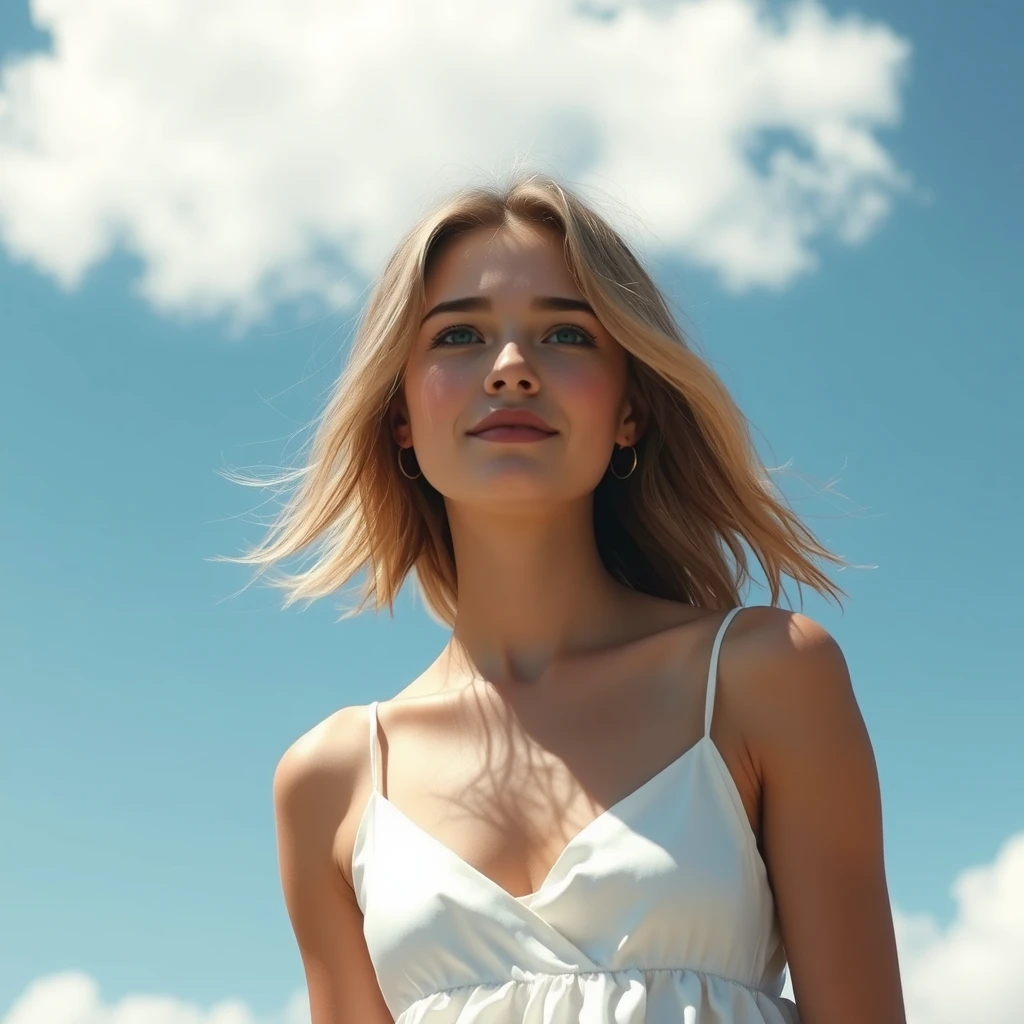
(616, 796)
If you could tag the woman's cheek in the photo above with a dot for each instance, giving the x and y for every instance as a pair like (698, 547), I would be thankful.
(590, 397)
(439, 397)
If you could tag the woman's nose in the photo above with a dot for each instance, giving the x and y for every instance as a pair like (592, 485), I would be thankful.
(511, 371)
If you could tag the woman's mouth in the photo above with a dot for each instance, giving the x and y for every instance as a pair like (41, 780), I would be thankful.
(516, 426)
(514, 434)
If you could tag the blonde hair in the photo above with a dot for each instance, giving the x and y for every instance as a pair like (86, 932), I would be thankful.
(676, 528)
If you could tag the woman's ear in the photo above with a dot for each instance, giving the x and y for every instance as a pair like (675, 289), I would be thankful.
(635, 418)
(398, 419)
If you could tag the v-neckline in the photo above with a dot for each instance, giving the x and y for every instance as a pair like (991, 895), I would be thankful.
(612, 811)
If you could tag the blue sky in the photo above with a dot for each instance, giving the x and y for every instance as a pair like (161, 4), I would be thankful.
(145, 701)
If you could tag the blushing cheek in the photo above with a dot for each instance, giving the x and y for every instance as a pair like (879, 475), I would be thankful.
(437, 398)
(591, 396)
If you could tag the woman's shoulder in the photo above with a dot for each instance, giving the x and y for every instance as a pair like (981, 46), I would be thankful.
(326, 763)
(332, 742)
(787, 674)
(781, 640)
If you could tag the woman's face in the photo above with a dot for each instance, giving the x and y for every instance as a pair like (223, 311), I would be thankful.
(504, 345)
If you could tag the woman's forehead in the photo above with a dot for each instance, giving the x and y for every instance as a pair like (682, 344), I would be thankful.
(501, 261)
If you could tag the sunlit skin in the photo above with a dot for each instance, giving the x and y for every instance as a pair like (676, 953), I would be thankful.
(534, 599)
(531, 584)
(514, 356)
(606, 684)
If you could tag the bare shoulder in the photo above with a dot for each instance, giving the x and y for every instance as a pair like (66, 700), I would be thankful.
(789, 675)
(330, 747)
(779, 631)
(314, 787)
(822, 815)
(322, 771)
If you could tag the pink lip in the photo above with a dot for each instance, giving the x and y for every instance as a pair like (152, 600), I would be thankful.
(513, 425)
(516, 435)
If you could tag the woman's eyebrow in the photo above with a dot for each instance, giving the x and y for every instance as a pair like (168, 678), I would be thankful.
(480, 302)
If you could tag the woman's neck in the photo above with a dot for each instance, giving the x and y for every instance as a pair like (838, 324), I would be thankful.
(532, 588)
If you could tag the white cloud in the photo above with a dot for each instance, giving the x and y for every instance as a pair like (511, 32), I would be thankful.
(969, 972)
(72, 997)
(252, 153)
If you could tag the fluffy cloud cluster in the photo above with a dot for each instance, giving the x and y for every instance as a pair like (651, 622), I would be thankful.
(248, 154)
(970, 971)
(73, 998)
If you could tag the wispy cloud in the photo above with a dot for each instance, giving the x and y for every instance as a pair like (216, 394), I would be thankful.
(252, 153)
(969, 971)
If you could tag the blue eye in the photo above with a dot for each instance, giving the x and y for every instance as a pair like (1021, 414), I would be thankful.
(439, 339)
(585, 338)
(449, 337)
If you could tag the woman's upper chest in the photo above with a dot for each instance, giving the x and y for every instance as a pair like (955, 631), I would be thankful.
(505, 784)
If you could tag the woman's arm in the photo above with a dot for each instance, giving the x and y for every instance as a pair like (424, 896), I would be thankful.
(822, 824)
(309, 791)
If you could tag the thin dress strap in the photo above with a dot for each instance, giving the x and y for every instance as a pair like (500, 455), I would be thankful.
(373, 745)
(709, 700)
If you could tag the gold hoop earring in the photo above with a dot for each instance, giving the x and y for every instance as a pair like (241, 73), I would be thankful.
(401, 465)
(611, 464)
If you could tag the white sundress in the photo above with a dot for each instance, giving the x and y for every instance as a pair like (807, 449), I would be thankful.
(659, 911)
